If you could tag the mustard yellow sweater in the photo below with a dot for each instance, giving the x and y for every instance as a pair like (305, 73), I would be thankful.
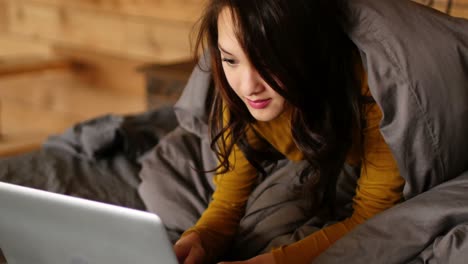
(379, 187)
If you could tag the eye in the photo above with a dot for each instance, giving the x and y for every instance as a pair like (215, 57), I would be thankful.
(230, 62)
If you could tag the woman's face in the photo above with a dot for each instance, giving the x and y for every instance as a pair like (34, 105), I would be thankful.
(263, 102)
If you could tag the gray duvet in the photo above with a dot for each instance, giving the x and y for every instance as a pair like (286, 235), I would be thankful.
(417, 64)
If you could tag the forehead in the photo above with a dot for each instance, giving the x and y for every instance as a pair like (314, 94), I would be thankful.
(226, 17)
(227, 30)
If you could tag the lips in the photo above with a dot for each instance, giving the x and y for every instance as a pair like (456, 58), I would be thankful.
(259, 104)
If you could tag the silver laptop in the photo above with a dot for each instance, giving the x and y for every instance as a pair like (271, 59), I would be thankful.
(38, 227)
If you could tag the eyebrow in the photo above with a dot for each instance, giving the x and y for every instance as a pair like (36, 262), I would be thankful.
(223, 50)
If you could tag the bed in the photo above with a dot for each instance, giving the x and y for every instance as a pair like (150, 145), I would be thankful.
(417, 63)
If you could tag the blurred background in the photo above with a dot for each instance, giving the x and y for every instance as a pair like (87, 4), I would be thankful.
(65, 61)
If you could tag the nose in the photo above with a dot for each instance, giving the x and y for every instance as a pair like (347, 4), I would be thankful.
(252, 83)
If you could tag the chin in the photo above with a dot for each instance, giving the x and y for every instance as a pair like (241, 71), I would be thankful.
(264, 117)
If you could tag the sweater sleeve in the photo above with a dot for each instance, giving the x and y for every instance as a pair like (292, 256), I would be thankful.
(379, 187)
(220, 220)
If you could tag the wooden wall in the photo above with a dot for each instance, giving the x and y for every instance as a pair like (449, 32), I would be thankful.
(104, 41)
(143, 30)
(3, 17)
(147, 30)
(459, 8)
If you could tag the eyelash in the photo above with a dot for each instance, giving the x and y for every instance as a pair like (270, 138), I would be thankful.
(230, 62)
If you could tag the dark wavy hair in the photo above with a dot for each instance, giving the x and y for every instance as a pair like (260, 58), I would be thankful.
(301, 50)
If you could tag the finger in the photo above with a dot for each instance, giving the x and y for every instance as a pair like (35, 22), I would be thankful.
(196, 256)
(181, 251)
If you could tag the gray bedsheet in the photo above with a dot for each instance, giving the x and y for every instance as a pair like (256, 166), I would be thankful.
(417, 63)
(96, 159)
(175, 186)
(429, 228)
(111, 180)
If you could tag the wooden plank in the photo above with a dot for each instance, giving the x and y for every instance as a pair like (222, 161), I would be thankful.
(22, 122)
(63, 94)
(19, 64)
(18, 144)
(106, 71)
(174, 10)
(145, 39)
(459, 8)
(3, 16)
(460, 13)
(35, 106)
(12, 45)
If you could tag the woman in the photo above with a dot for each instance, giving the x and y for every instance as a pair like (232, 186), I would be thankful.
(288, 80)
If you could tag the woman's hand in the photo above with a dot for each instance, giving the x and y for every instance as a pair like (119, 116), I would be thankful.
(261, 259)
(189, 250)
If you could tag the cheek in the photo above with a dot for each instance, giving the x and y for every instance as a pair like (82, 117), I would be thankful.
(280, 102)
(232, 79)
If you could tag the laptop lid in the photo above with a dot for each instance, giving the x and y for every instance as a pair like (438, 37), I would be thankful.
(47, 228)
